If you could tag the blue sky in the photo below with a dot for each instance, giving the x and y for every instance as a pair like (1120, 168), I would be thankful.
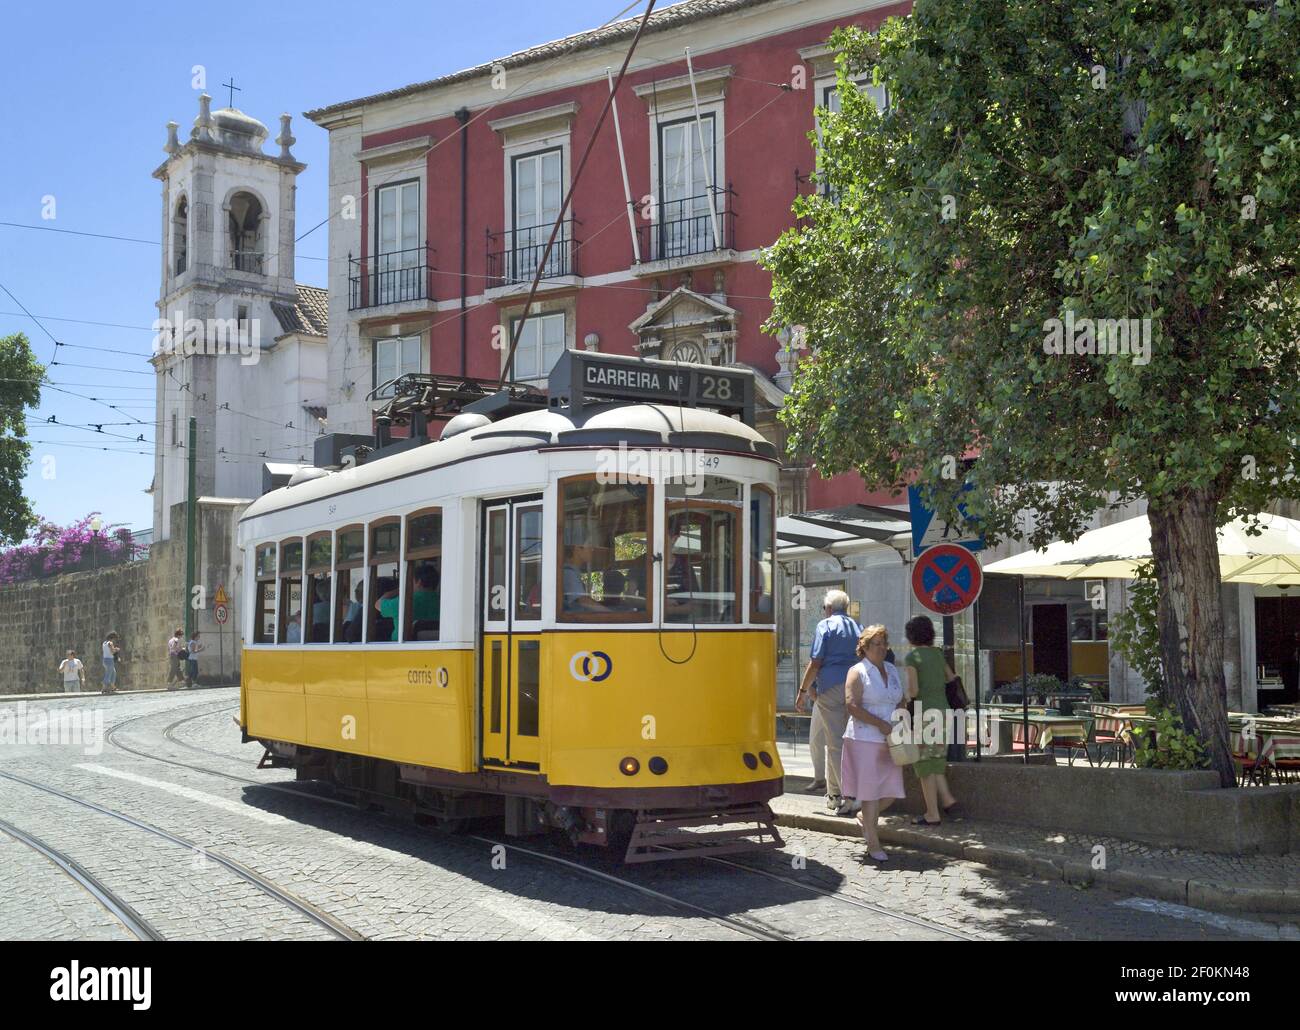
(87, 90)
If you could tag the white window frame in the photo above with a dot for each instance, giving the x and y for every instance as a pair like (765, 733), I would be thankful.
(565, 310)
(399, 367)
(524, 272)
(674, 111)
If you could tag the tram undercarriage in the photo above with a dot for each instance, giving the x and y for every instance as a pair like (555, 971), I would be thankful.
(725, 820)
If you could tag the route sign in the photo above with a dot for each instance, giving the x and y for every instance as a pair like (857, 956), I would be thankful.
(927, 531)
(947, 579)
(221, 613)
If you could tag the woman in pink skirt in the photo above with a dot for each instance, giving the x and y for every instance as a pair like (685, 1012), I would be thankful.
(868, 773)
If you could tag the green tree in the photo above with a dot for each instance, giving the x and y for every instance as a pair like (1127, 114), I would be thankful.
(20, 378)
(1096, 160)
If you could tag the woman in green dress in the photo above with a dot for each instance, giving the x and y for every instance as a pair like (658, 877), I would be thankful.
(927, 673)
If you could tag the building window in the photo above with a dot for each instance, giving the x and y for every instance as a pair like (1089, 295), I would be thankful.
(385, 549)
(537, 198)
(686, 172)
(350, 586)
(176, 438)
(423, 575)
(541, 342)
(702, 552)
(399, 259)
(320, 552)
(290, 592)
(395, 357)
(181, 236)
(605, 554)
(828, 98)
(264, 596)
(245, 230)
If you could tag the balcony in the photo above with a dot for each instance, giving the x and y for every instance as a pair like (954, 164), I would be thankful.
(398, 277)
(513, 257)
(244, 261)
(683, 234)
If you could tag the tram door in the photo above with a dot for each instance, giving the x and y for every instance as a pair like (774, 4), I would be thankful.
(513, 552)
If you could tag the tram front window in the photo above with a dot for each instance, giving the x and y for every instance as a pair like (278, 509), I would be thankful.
(605, 560)
(290, 592)
(264, 599)
(701, 574)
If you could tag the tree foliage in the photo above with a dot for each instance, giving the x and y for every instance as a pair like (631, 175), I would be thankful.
(20, 379)
(1039, 162)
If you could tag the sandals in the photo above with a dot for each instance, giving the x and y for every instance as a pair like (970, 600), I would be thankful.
(877, 856)
(921, 820)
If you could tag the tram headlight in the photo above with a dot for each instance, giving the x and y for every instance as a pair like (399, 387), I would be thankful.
(750, 761)
(658, 765)
(765, 758)
(629, 766)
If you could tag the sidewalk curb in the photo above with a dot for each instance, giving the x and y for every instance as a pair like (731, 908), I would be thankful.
(1218, 897)
(63, 696)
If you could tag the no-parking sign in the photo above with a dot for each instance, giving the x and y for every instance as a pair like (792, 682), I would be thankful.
(947, 579)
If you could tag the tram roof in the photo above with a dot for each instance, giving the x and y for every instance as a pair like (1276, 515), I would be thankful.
(609, 425)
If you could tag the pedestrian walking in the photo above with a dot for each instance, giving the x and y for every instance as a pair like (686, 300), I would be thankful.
(191, 661)
(927, 675)
(110, 650)
(74, 673)
(875, 696)
(176, 654)
(833, 654)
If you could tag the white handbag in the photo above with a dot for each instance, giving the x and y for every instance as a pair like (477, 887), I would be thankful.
(903, 748)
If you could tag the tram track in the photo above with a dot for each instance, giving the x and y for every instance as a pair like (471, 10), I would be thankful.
(843, 898)
(746, 926)
(268, 887)
(121, 910)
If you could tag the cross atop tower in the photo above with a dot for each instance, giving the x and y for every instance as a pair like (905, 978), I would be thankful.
(233, 89)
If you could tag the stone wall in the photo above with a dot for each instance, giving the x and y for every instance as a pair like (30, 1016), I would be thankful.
(141, 601)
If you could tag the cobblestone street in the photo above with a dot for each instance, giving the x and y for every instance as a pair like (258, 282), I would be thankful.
(238, 856)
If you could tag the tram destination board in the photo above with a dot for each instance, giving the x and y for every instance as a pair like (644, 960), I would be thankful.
(581, 378)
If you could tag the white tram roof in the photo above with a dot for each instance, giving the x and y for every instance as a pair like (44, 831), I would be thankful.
(636, 425)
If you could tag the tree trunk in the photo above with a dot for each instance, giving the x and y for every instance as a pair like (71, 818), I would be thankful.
(1190, 618)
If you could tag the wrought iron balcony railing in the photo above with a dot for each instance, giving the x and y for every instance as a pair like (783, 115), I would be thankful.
(246, 261)
(393, 278)
(515, 254)
(686, 227)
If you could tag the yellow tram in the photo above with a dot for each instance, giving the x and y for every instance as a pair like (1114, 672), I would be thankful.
(562, 614)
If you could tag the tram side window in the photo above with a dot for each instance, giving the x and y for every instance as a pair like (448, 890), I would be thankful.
(290, 592)
(264, 596)
(762, 532)
(423, 575)
(605, 551)
(385, 550)
(317, 615)
(702, 553)
(350, 590)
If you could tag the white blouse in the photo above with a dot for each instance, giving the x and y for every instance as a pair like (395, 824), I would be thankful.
(880, 697)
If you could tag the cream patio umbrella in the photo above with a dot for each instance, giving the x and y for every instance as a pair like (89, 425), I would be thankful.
(1270, 558)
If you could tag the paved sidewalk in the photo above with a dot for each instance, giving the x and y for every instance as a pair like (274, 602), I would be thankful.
(1266, 884)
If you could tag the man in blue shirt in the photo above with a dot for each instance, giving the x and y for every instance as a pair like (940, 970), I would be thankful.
(834, 652)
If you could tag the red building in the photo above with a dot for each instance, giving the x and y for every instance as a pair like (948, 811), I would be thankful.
(443, 195)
